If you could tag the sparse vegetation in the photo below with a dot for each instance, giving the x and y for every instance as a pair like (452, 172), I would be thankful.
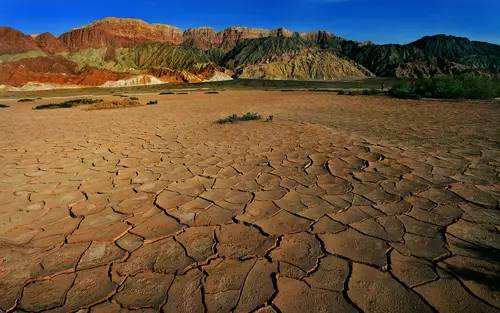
(67, 104)
(115, 104)
(3, 106)
(363, 92)
(448, 87)
(233, 118)
(152, 102)
(322, 90)
(26, 100)
(211, 92)
(371, 92)
(134, 98)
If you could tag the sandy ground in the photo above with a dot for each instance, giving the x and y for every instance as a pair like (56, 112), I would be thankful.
(341, 204)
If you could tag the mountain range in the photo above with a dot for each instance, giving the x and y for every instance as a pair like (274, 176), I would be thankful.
(115, 52)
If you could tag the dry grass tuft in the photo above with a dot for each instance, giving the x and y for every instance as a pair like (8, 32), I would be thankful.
(115, 104)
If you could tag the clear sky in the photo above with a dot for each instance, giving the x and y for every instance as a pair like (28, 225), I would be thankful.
(382, 21)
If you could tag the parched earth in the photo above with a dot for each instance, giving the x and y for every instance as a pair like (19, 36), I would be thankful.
(341, 204)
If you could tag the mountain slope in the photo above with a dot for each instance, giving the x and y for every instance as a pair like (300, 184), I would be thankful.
(307, 64)
(173, 63)
(294, 57)
(50, 44)
(53, 70)
(14, 41)
(130, 49)
(263, 49)
(428, 56)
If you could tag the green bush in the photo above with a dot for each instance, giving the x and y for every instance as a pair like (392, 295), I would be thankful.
(233, 118)
(404, 90)
(448, 87)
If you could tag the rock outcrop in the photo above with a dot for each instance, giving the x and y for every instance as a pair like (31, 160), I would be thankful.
(49, 43)
(133, 81)
(119, 32)
(202, 38)
(232, 36)
(14, 41)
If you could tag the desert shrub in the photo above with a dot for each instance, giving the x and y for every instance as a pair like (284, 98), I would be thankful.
(448, 87)
(167, 92)
(3, 106)
(26, 100)
(152, 102)
(233, 118)
(134, 98)
(67, 104)
(211, 92)
(115, 104)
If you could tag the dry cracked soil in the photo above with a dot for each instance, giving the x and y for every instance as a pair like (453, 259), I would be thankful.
(341, 204)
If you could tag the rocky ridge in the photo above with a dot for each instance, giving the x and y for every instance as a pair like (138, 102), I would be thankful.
(118, 48)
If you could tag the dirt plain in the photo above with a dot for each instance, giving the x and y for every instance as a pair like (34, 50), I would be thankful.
(340, 204)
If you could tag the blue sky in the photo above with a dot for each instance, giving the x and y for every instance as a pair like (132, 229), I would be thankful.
(382, 21)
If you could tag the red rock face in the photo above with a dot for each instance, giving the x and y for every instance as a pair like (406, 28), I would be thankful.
(50, 44)
(230, 37)
(111, 33)
(53, 70)
(206, 38)
(119, 33)
(97, 77)
(202, 38)
(14, 41)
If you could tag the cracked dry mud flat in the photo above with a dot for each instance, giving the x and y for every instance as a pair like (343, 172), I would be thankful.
(342, 204)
